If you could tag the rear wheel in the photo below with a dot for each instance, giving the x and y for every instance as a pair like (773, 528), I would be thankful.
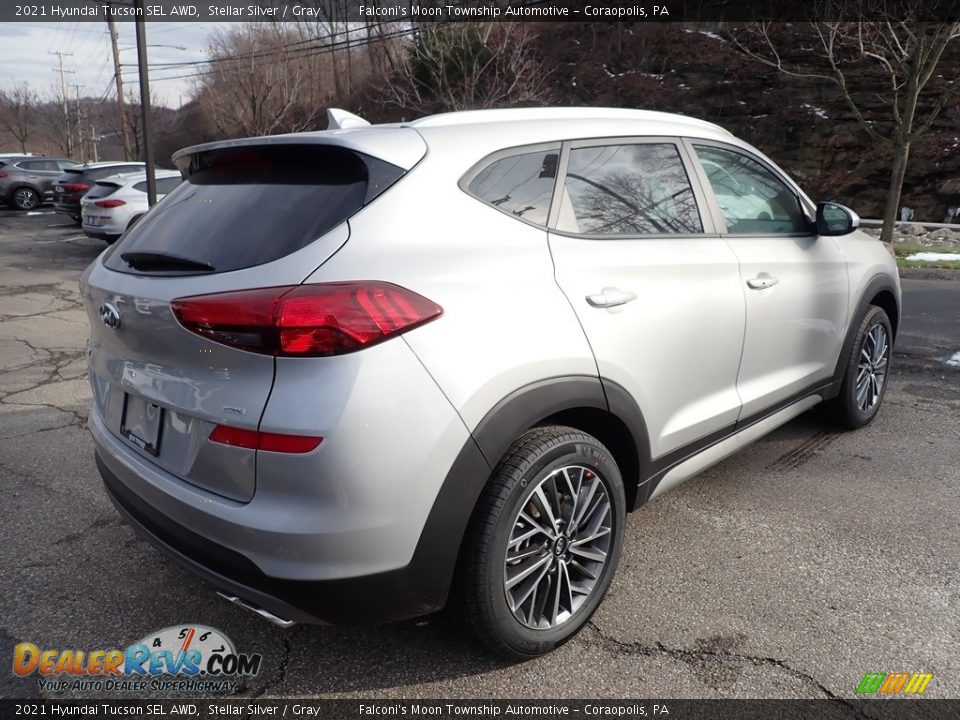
(25, 198)
(544, 542)
(865, 377)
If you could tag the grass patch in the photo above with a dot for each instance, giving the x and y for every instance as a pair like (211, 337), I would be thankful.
(936, 264)
(902, 250)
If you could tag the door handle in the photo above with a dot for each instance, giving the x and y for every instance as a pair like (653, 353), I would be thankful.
(610, 297)
(762, 281)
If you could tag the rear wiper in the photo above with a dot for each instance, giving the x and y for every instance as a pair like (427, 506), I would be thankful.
(163, 261)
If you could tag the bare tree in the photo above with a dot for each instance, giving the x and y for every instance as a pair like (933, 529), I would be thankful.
(266, 78)
(127, 122)
(468, 66)
(892, 63)
(17, 109)
(60, 120)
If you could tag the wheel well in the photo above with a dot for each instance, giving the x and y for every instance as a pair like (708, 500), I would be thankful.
(613, 433)
(888, 303)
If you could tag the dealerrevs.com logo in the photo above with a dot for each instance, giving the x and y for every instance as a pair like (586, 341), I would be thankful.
(887, 684)
(191, 658)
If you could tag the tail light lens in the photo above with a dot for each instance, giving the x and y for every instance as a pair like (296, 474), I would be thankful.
(109, 203)
(306, 320)
(256, 440)
(3, 174)
(76, 187)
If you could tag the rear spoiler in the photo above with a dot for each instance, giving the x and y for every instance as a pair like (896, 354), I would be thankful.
(400, 146)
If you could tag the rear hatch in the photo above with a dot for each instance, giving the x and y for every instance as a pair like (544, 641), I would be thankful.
(92, 214)
(248, 215)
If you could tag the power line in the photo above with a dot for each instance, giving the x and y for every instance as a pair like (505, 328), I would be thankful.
(296, 54)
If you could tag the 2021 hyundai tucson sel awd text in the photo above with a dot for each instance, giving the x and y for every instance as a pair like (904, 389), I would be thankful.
(444, 359)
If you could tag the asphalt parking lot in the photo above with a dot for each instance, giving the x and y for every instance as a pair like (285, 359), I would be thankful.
(790, 570)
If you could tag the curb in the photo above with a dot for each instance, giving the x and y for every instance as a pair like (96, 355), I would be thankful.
(929, 274)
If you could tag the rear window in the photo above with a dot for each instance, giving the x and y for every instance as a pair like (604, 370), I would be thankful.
(102, 172)
(102, 190)
(246, 206)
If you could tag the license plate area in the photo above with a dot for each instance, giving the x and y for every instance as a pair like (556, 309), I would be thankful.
(91, 220)
(141, 422)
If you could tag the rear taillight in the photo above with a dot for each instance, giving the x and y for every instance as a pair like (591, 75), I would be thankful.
(306, 320)
(3, 174)
(76, 187)
(109, 203)
(256, 440)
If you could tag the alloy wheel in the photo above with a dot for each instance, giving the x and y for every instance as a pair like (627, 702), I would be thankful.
(872, 367)
(558, 547)
(25, 199)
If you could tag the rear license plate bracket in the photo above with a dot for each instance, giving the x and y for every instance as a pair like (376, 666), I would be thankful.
(141, 423)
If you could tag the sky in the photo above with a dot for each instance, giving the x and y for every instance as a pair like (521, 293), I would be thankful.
(24, 49)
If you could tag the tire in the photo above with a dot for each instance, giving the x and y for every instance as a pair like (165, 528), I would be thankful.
(78, 219)
(552, 464)
(25, 198)
(861, 395)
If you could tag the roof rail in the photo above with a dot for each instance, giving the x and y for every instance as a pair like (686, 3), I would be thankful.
(470, 117)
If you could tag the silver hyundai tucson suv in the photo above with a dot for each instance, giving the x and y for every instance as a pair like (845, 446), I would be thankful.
(348, 375)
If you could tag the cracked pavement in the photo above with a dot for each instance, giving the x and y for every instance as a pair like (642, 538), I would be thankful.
(789, 570)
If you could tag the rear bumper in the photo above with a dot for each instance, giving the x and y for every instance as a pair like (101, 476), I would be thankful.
(341, 535)
(67, 208)
(383, 597)
(99, 234)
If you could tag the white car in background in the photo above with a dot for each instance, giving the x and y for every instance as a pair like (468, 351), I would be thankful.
(114, 204)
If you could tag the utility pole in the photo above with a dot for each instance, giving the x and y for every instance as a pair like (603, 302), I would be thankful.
(124, 130)
(67, 131)
(81, 144)
(145, 105)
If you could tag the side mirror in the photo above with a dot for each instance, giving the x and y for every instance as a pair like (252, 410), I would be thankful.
(835, 219)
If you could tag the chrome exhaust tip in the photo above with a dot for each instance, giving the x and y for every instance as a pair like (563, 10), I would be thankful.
(265, 614)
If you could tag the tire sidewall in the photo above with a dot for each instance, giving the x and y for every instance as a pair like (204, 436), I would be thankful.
(874, 316)
(528, 641)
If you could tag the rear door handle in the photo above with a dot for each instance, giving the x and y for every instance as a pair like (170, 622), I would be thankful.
(762, 281)
(611, 297)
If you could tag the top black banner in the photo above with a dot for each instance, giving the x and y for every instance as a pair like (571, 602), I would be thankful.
(415, 11)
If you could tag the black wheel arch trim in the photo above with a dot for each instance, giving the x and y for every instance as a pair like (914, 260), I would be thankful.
(876, 285)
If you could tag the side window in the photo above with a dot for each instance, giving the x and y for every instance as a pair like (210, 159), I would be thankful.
(141, 186)
(167, 184)
(752, 199)
(638, 189)
(29, 165)
(520, 185)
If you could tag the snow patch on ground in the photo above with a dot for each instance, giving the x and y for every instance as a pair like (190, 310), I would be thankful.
(819, 112)
(934, 257)
(953, 360)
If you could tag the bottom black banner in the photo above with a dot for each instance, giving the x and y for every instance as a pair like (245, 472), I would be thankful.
(839, 709)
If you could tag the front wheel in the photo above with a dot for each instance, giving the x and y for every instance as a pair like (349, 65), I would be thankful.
(865, 377)
(25, 198)
(544, 542)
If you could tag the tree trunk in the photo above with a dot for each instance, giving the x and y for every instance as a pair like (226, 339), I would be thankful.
(901, 154)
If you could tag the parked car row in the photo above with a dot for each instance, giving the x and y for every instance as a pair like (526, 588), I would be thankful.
(106, 198)
(116, 203)
(26, 181)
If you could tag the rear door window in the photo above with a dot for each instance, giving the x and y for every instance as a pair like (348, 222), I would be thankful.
(245, 206)
(627, 189)
(168, 185)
